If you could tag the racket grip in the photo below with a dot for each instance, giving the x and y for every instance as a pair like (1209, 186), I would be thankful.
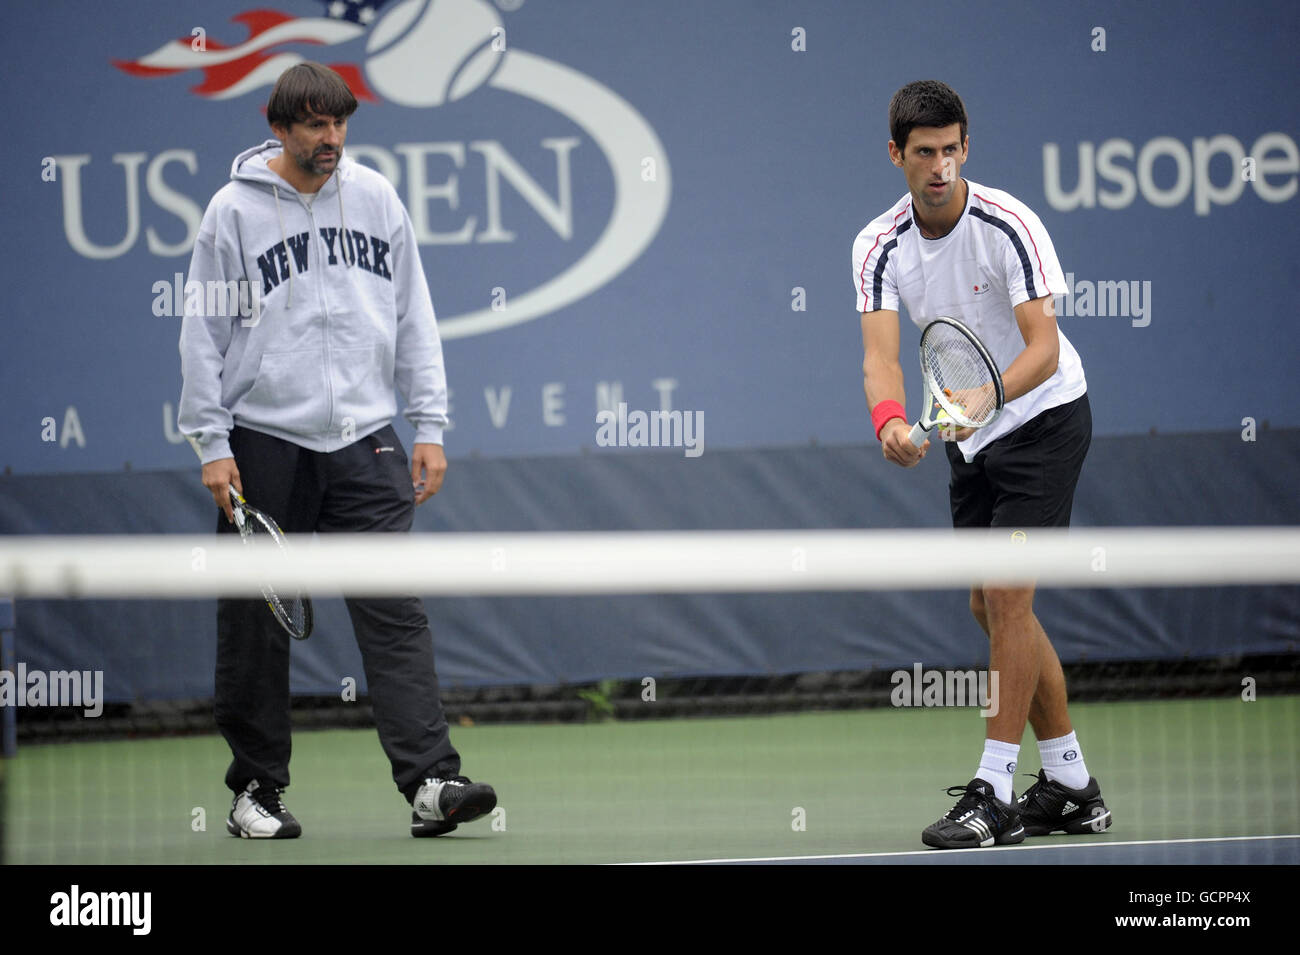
(918, 434)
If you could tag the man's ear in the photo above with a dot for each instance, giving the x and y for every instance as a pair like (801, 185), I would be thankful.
(895, 154)
(280, 131)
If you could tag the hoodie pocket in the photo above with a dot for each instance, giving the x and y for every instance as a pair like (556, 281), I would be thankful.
(363, 385)
(289, 393)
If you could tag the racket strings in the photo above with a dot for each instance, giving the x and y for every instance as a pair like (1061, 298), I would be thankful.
(292, 611)
(294, 615)
(961, 379)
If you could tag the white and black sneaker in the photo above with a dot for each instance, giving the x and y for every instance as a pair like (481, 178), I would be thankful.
(979, 820)
(259, 813)
(443, 803)
(1047, 807)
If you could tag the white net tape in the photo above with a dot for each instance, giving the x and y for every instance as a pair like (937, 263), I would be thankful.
(648, 562)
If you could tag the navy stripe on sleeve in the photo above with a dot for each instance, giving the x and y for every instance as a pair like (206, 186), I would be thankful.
(1015, 241)
(878, 277)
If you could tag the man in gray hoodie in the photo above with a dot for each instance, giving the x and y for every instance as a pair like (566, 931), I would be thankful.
(292, 405)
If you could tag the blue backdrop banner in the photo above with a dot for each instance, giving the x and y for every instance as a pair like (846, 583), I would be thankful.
(654, 203)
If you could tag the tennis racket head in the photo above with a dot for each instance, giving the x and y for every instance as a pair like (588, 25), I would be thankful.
(960, 374)
(292, 609)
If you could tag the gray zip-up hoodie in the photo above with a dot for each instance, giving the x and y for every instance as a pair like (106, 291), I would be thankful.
(343, 314)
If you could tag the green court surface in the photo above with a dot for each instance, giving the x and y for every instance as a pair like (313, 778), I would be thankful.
(804, 785)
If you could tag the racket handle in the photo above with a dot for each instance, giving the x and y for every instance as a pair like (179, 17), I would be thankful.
(918, 434)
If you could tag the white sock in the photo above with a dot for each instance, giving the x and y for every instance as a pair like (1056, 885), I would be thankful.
(998, 766)
(1063, 761)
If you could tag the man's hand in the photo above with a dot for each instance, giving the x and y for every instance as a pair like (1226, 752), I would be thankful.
(218, 477)
(977, 402)
(897, 444)
(428, 466)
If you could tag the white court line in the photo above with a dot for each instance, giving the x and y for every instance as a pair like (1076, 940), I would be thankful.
(931, 852)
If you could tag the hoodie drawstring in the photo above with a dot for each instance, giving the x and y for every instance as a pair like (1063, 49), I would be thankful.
(284, 237)
(343, 226)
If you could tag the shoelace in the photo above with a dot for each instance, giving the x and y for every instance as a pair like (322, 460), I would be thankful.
(1036, 796)
(269, 799)
(456, 780)
(970, 800)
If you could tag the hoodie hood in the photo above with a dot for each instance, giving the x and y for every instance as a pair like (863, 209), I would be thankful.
(251, 166)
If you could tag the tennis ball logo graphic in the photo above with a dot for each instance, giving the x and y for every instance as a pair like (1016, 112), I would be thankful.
(429, 52)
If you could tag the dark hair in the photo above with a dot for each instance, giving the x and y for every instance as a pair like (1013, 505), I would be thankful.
(309, 88)
(924, 103)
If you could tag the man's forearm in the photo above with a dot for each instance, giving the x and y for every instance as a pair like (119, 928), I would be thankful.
(1031, 368)
(883, 381)
(423, 385)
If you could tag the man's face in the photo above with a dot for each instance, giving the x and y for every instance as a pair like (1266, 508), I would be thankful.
(932, 162)
(315, 144)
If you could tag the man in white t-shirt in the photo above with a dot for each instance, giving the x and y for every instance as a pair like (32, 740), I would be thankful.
(953, 247)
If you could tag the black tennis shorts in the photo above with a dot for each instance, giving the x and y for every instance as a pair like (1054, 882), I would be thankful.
(1025, 478)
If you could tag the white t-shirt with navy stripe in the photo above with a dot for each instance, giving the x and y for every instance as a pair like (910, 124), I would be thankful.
(996, 257)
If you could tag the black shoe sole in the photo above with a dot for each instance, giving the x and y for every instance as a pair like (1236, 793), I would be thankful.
(936, 841)
(289, 831)
(429, 828)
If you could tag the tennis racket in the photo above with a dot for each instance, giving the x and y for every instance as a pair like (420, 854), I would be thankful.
(960, 377)
(292, 610)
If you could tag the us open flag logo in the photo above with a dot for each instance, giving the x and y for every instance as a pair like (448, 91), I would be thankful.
(231, 71)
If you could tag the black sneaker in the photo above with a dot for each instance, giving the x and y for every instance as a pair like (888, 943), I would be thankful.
(442, 803)
(1047, 807)
(259, 813)
(979, 820)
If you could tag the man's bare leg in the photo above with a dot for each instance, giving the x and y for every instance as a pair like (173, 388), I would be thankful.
(1048, 708)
